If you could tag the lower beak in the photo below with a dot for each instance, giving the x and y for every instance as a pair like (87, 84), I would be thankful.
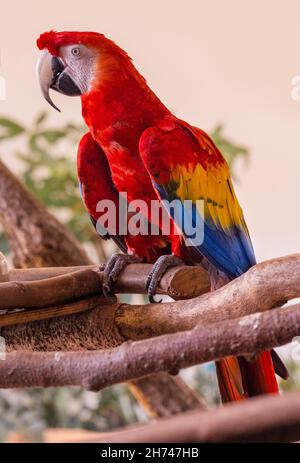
(52, 73)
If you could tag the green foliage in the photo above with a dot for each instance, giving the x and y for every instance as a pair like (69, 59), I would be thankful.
(49, 169)
(293, 381)
(230, 150)
(9, 128)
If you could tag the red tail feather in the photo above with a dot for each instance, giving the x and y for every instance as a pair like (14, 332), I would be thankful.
(240, 378)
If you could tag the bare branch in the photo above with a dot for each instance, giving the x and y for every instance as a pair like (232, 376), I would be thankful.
(252, 292)
(42, 287)
(169, 397)
(50, 291)
(263, 287)
(99, 369)
(262, 419)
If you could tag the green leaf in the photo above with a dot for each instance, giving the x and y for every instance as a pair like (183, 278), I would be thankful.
(52, 136)
(41, 118)
(9, 128)
(230, 150)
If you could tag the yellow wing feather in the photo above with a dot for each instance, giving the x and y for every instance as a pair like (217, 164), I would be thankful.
(214, 187)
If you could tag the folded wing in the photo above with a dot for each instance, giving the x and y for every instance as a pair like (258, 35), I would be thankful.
(184, 164)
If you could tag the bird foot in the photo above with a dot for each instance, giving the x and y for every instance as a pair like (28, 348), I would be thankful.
(113, 268)
(158, 270)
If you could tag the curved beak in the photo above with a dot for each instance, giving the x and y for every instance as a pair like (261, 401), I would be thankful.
(53, 74)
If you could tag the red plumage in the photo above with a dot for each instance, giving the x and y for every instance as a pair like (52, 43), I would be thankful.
(96, 185)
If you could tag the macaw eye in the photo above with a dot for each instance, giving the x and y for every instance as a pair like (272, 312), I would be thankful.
(75, 51)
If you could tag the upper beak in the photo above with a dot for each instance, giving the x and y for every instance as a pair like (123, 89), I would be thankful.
(52, 73)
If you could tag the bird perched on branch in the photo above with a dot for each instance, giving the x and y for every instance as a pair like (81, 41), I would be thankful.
(136, 146)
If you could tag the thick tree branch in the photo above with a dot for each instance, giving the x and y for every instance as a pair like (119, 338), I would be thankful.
(99, 369)
(263, 287)
(17, 317)
(172, 396)
(263, 419)
(56, 290)
(253, 292)
(48, 286)
(177, 282)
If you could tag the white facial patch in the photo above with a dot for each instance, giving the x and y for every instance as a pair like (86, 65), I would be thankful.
(80, 63)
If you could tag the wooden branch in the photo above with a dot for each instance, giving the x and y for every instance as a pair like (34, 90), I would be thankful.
(267, 285)
(160, 394)
(262, 419)
(92, 329)
(99, 369)
(57, 293)
(178, 282)
(22, 316)
(252, 292)
(169, 397)
(43, 287)
(56, 290)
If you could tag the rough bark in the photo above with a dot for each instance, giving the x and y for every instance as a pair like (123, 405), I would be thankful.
(169, 353)
(264, 286)
(253, 292)
(173, 397)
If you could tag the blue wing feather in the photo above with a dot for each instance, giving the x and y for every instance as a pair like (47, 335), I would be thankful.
(232, 252)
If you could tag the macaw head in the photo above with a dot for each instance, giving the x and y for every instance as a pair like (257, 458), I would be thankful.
(73, 63)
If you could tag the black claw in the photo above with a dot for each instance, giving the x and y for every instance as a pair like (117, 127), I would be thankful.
(112, 270)
(159, 268)
(107, 292)
(148, 282)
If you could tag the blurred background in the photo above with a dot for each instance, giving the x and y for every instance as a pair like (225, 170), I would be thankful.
(226, 67)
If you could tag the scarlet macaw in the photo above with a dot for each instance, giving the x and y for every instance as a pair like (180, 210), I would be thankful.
(135, 145)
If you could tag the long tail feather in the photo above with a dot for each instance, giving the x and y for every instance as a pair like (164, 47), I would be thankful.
(259, 375)
(240, 378)
(230, 379)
